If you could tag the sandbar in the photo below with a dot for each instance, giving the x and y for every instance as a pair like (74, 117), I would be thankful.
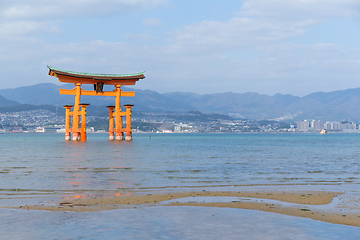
(295, 201)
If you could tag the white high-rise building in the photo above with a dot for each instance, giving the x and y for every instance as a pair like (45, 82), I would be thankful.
(336, 126)
(317, 125)
(303, 126)
(333, 126)
(327, 126)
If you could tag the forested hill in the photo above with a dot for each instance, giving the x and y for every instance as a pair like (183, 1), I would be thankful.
(332, 106)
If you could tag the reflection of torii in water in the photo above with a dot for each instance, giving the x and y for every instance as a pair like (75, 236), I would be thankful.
(79, 110)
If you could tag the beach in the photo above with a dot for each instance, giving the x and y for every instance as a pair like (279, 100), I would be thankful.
(315, 205)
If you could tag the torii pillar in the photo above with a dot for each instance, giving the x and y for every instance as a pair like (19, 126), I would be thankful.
(128, 128)
(111, 122)
(118, 115)
(76, 114)
(83, 121)
(68, 115)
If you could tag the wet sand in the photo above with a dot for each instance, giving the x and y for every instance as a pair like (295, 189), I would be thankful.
(293, 199)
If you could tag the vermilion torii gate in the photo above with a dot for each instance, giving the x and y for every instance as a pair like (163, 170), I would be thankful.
(78, 114)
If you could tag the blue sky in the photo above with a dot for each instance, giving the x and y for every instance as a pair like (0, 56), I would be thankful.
(267, 46)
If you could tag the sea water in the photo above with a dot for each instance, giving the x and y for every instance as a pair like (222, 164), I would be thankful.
(45, 163)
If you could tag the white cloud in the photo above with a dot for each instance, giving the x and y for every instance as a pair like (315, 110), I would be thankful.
(315, 51)
(151, 22)
(23, 17)
(299, 10)
(39, 9)
(232, 34)
(260, 22)
(20, 28)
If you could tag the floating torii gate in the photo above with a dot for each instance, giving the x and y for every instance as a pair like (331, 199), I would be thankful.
(79, 109)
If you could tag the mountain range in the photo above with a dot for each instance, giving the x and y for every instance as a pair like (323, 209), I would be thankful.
(331, 106)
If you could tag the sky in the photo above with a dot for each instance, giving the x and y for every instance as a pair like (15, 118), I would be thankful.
(203, 46)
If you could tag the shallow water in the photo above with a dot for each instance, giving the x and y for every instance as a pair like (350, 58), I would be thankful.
(39, 165)
(167, 223)
(47, 162)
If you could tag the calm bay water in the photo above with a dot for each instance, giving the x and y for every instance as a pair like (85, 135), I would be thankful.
(47, 162)
(36, 165)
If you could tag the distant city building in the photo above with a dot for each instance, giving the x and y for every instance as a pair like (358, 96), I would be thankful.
(90, 130)
(177, 128)
(39, 130)
(333, 126)
(52, 128)
(183, 128)
(316, 125)
(61, 130)
(349, 126)
(303, 126)
(336, 126)
(327, 126)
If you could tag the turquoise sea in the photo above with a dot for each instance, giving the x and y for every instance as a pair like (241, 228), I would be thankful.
(43, 165)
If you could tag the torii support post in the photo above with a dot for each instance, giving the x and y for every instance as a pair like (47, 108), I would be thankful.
(76, 113)
(68, 115)
(83, 121)
(118, 115)
(128, 122)
(111, 122)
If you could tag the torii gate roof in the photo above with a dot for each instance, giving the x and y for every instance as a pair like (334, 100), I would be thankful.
(93, 78)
